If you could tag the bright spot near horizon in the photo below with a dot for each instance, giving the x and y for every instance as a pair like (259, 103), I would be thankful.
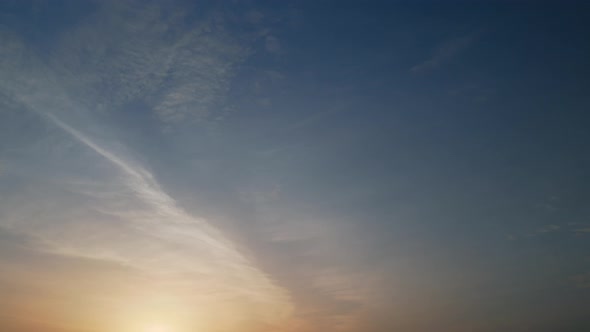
(158, 328)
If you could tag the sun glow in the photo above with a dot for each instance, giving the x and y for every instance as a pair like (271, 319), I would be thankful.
(158, 328)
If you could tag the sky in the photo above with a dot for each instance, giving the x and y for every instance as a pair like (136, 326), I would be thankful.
(294, 166)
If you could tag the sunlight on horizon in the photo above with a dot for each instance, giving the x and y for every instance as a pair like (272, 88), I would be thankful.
(159, 328)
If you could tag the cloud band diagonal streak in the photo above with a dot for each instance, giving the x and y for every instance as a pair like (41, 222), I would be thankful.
(180, 227)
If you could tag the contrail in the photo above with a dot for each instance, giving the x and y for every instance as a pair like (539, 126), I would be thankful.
(146, 187)
(226, 260)
(98, 149)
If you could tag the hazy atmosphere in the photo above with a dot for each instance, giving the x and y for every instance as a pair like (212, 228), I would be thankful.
(294, 166)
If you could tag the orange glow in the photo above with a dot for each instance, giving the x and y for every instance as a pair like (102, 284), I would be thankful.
(158, 328)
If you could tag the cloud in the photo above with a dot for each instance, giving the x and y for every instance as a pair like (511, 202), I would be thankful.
(226, 270)
(570, 228)
(86, 198)
(548, 229)
(576, 228)
(129, 52)
(444, 53)
(35, 281)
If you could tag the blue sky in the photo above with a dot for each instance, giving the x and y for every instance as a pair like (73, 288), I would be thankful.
(176, 166)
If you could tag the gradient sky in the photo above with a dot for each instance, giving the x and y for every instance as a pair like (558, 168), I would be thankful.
(294, 166)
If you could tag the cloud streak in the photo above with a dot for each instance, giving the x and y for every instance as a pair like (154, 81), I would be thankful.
(444, 53)
(175, 225)
(120, 213)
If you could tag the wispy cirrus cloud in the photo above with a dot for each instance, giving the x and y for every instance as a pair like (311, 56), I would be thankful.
(105, 205)
(126, 218)
(445, 52)
(129, 52)
(136, 224)
(165, 220)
